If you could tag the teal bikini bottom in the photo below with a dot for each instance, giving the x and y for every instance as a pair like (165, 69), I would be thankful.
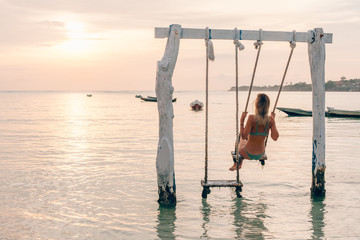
(254, 157)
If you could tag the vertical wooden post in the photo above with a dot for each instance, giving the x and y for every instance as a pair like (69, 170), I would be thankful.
(164, 93)
(316, 50)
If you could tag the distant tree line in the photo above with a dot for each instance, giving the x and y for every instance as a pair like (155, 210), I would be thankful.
(351, 85)
(343, 85)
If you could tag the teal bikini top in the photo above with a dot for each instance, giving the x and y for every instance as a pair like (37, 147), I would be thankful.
(257, 133)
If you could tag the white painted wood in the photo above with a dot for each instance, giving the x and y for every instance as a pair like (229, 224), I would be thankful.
(164, 92)
(194, 33)
(221, 183)
(316, 52)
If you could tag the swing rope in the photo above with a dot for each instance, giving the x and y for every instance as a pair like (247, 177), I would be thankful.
(292, 46)
(209, 56)
(238, 47)
(257, 45)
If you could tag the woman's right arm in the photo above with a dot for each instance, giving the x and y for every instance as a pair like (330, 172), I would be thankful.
(274, 131)
(246, 130)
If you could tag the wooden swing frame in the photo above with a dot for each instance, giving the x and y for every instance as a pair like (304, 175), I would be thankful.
(316, 40)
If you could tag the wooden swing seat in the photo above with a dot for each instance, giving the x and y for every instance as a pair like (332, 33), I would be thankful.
(221, 183)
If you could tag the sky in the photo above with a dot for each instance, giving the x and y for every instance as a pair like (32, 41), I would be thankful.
(109, 45)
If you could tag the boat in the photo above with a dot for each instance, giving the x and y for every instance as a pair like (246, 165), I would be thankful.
(152, 99)
(196, 105)
(148, 99)
(332, 112)
(296, 112)
(138, 96)
(89, 95)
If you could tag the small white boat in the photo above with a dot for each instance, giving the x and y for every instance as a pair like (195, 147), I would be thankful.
(332, 112)
(196, 105)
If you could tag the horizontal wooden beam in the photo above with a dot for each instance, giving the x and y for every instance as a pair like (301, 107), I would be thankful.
(198, 33)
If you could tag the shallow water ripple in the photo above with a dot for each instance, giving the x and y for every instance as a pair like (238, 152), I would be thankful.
(74, 167)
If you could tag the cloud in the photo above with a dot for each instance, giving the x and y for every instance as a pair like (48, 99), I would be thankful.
(20, 28)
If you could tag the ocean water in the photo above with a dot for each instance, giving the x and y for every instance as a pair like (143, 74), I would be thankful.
(75, 167)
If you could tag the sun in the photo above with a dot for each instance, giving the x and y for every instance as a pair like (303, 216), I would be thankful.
(79, 41)
(75, 29)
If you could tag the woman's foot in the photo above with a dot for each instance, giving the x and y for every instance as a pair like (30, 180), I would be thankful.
(233, 167)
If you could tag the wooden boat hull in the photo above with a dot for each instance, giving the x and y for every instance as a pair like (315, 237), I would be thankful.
(296, 112)
(196, 107)
(148, 99)
(153, 99)
(332, 112)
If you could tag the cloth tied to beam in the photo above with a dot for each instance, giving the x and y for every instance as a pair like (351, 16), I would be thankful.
(209, 45)
(239, 45)
(258, 44)
(210, 50)
(292, 44)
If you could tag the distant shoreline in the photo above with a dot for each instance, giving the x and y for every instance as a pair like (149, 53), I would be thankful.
(256, 88)
(352, 85)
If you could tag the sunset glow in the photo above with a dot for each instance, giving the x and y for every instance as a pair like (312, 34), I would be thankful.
(79, 41)
(113, 44)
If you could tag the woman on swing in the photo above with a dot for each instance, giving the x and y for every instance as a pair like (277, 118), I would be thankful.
(256, 130)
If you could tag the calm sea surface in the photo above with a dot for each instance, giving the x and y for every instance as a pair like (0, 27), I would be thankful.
(75, 167)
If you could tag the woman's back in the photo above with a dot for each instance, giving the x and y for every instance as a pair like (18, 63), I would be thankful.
(260, 130)
(257, 135)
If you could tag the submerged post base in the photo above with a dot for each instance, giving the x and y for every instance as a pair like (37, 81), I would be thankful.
(318, 183)
(166, 196)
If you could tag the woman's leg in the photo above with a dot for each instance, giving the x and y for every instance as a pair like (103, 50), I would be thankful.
(241, 150)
